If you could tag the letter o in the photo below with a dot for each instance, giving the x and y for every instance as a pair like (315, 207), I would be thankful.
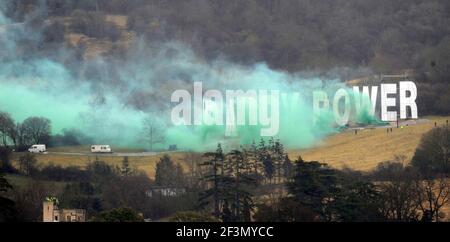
(341, 119)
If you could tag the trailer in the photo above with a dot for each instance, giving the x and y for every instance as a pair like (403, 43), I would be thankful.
(38, 148)
(101, 149)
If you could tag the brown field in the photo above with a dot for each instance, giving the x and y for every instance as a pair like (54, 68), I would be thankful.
(87, 148)
(359, 152)
(369, 147)
(119, 20)
(20, 182)
(146, 164)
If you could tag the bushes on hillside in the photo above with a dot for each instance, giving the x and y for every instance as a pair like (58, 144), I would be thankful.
(433, 153)
(119, 215)
(93, 24)
(192, 216)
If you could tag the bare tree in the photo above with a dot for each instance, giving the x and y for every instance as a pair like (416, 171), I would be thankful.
(20, 138)
(7, 128)
(36, 129)
(433, 193)
(398, 188)
(29, 200)
(400, 202)
(153, 130)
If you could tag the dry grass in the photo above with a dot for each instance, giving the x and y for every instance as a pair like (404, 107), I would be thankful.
(360, 152)
(97, 47)
(369, 147)
(146, 164)
(20, 182)
(119, 20)
(87, 149)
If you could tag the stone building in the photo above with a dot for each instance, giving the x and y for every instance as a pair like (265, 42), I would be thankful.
(51, 213)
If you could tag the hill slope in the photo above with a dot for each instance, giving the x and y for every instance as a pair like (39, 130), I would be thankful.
(369, 147)
(359, 152)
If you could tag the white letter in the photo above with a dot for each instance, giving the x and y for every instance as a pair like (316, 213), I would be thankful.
(360, 100)
(213, 108)
(230, 127)
(319, 97)
(242, 98)
(341, 120)
(184, 107)
(273, 121)
(198, 103)
(408, 101)
(388, 102)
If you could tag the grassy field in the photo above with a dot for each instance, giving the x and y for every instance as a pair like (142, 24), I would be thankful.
(369, 147)
(359, 152)
(146, 164)
(20, 181)
(87, 149)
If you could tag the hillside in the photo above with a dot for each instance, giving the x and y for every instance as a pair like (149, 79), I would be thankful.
(359, 152)
(369, 147)
(146, 164)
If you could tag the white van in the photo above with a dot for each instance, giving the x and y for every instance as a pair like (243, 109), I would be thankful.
(37, 149)
(101, 149)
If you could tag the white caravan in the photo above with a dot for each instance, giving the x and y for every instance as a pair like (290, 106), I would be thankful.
(101, 149)
(37, 149)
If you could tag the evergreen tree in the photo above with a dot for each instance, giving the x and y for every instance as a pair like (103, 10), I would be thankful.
(168, 174)
(240, 190)
(255, 165)
(226, 215)
(7, 210)
(231, 181)
(125, 169)
(27, 164)
(287, 167)
(214, 163)
(278, 157)
(314, 185)
(266, 159)
(5, 159)
(358, 202)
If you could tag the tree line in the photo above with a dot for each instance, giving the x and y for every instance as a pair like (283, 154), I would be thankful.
(38, 130)
(288, 34)
(252, 183)
(229, 178)
(313, 191)
(108, 193)
(35, 130)
(342, 38)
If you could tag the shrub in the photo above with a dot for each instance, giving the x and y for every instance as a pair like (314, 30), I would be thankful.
(192, 216)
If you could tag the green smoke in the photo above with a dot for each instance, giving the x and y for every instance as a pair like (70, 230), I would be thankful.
(364, 114)
(109, 100)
